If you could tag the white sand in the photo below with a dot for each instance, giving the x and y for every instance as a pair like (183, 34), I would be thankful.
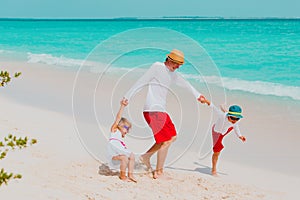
(38, 105)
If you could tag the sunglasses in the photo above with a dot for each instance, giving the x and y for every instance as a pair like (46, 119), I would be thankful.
(126, 127)
(234, 118)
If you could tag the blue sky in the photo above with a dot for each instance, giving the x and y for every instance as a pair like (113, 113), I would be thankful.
(150, 8)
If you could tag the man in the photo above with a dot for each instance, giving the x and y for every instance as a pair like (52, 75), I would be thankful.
(159, 78)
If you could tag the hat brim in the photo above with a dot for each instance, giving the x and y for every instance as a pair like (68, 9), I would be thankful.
(234, 115)
(176, 61)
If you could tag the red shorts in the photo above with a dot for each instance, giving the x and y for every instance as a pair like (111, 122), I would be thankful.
(161, 124)
(217, 139)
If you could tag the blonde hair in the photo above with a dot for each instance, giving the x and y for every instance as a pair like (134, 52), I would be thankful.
(124, 121)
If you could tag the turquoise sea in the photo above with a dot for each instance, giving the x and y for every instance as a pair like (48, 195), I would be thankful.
(260, 56)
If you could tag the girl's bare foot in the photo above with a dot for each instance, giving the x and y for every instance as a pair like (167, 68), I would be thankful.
(123, 178)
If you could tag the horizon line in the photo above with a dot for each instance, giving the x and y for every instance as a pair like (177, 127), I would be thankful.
(148, 18)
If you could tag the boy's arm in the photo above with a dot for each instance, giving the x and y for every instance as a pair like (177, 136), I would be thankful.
(223, 108)
(238, 133)
(123, 103)
(202, 99)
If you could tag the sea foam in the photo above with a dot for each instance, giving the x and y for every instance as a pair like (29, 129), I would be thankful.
(256, 87)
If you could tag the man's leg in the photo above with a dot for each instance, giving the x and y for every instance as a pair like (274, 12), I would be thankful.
(161, 157)
(146, 157)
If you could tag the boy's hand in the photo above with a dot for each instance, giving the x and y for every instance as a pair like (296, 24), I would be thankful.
(242, 138)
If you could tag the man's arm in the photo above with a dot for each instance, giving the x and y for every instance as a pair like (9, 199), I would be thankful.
(141, 82)
(180, 81)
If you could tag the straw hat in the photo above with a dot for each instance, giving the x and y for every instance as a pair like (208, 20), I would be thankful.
(176, 56)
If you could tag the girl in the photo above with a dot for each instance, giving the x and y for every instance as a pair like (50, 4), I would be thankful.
(117, 150)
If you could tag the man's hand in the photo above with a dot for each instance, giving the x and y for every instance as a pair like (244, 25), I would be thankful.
(202, 99)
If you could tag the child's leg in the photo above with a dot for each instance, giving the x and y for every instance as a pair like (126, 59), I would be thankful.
(123, 165)
(131, 167)
(215, 157)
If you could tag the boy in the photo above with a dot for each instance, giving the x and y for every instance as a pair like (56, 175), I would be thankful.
(226, 122)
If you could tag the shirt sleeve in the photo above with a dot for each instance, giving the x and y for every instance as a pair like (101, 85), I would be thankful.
(180, 81)
(237, 130)
(217, 110)
(141, 82)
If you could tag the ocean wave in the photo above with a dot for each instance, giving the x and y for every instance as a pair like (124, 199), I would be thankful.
(256, 87)
(2, 51)
(60, 61)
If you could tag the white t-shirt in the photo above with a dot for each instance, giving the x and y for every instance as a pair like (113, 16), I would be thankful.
(159, 78)
(222, 124)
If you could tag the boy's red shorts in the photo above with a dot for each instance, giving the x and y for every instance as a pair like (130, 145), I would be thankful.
(161, 124)
(217, 141)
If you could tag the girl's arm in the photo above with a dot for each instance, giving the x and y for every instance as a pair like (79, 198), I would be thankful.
(123, 103)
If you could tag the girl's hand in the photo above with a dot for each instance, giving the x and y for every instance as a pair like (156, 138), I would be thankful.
(124, 102)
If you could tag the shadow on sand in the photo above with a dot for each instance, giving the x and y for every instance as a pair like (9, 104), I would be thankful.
(106, 171)
(203, 169)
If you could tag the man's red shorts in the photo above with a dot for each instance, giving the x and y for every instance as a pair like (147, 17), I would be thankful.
(161, 124)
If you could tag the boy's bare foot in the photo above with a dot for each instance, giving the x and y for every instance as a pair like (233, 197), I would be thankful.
(214, 173)
(145, 161)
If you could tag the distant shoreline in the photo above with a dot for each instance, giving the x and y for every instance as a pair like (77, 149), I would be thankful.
(179, 18)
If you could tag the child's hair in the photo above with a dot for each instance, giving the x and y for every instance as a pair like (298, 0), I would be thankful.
(124, 121)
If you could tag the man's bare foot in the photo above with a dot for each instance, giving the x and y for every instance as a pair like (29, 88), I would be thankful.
(145, 161)
(160, 175)
(131, 179)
